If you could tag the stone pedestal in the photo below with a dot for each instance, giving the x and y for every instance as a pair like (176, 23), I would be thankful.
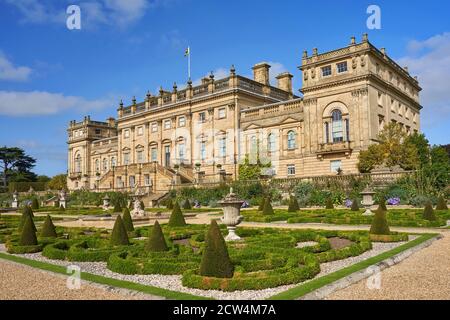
(367, 201)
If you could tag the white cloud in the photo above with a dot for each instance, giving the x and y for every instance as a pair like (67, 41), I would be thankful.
(120, 13)
(430, 61)
(17, 103)
(9, 72)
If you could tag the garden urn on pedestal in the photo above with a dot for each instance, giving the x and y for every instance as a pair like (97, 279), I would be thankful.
(231, 206)
(367, 201)
(106, 202)
(15, 202)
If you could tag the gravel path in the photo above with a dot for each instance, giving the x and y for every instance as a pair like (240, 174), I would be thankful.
(20, 282)
(424, 275)
(173, 282)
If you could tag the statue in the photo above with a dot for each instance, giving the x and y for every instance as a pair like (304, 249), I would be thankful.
(15, 202)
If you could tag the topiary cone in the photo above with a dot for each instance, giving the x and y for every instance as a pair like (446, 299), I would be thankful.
(177, 218)
(268, 210)
(379, 223)
(119, 236)
(26, 212)
(354, 206)
(261, 204)
(428, 212)
(187, 205)
(117, 208)
(382, 205)
(156, 241)
(329, 204)
(34, 204)
(293, 204)
(127, 221)
(28, 235)
(441, 204)
(215, 259)
(48, 229)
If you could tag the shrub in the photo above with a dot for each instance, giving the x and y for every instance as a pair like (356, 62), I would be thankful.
(441, 204)
(117, 207)
(127, 221)
(156, 241)
(187, 205)
(355, 206)
(28, 235)
(48, 229)
(261, 204)
(35, 204)
(293, 204)
(329, 204)
(177, 218)
(215, 260)
(26, 212)
(141, 204)
(268, 210)
(119, 235)
(382, 204)
(428, 212)
(169, 204)
(379, 223)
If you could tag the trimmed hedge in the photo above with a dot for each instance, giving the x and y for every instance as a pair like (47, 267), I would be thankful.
(156, 241)
(127, 221)
(48, 229)
(28, 235)
(215, 260)
(119, 235)
(379, 223)
(428, 212)
(329, 204)
(441, 204)
(354, 206)
(268, 210)
(177, 218)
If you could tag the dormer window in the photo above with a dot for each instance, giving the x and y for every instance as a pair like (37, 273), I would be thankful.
(326, 71)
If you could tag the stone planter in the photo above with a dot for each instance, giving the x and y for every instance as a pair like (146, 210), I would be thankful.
(231, 207)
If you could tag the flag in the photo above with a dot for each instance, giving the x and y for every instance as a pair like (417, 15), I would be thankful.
(187, 52)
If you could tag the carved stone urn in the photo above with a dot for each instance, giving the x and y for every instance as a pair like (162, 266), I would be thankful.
(231, 207)
(367, 201)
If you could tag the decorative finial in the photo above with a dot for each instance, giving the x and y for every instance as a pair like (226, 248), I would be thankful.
(305, 54)
(314, 51)
(175, 86)
(352, 40)
(121, 104)
(232, 70)
(134, 100)
(148, 95)
(211, 75)
(365, 37)
(189, 82)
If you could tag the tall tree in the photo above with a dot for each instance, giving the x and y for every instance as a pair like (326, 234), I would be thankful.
(58, 182)
(15, 164)
(393, 149)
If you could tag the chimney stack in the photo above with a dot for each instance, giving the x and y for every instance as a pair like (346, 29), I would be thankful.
(285, 81)
(261, 73)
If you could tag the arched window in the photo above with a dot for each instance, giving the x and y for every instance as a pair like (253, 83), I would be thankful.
(97, 165)
(78, 163)
(271, 142)
(105, 164)
(113, 162)
(291, 140)
(336, 126)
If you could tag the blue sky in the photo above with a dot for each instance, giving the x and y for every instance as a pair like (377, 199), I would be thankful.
(50, 75)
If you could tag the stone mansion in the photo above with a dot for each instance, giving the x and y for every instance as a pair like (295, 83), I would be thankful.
(201, 134)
